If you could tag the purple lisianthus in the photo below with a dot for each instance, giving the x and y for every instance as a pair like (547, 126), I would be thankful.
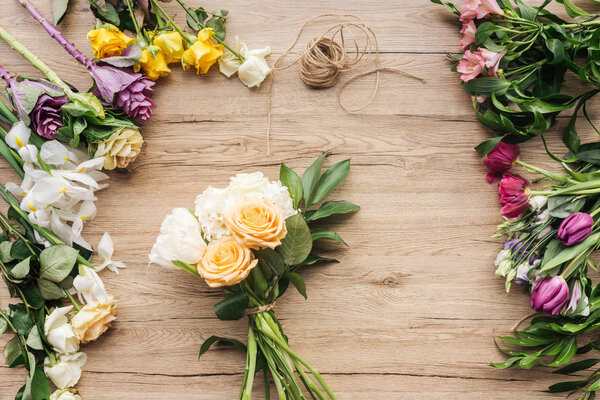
(550, 295)
(516, 247)
(124, 89)
(46, 117)
(575, 228)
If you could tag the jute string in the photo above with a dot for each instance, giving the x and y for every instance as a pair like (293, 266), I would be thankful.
(327, 57)
(256, 310)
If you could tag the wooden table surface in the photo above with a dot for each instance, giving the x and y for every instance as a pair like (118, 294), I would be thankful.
(411, 310)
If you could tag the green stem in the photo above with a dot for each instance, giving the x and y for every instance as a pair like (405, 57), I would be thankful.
(195, 18)
(138, 31)
(560, 178)
(35, 61)
(172, 23)
(273, 369)
(73, 301)
(577, 25)
(250, 366)
(8, 321)
(308, 383)
(7, 114)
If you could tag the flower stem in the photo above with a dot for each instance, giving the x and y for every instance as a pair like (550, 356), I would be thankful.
(138, 31)
(560, 178)
(250, 366)
(35, 61)
(56, 34)
(73, 301)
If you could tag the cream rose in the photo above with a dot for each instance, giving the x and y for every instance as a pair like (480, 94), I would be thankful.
(226, 262)
(93, 320)
(59, 332)
(256, 223)
(66, 371)
(121, 148)
(65, 394)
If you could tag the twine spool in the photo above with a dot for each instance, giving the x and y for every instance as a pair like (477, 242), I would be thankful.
(326, 58)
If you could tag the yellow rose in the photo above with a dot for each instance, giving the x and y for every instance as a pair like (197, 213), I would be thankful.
(170, 44)
(203, 53)
(93, 320)
(121, 148)
(108, 41)
(154, 66)
(256, 223)
(226, 262)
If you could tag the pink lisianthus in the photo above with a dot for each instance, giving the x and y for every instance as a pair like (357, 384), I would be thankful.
(468, 31)
(479, 9)
(470, 66)
(492, 60)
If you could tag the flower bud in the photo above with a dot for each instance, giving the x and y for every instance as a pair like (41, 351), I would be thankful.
(550, 295)
(575, 228)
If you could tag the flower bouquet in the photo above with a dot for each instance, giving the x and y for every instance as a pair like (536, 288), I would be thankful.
(514, 61)
(251, 238)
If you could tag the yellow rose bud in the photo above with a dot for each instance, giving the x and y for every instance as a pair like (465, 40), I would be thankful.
(171, 45)
(93, 320)
(256, 223)
(203, 53)
(121, 148)
(226, 262)
(154, 66)
(108, 41)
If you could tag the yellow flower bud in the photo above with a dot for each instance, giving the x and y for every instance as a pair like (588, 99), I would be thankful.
(154, 66)
(171, 45)
(108, 41)
(203, 53)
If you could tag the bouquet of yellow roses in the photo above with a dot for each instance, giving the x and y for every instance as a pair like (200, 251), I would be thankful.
(251, 238)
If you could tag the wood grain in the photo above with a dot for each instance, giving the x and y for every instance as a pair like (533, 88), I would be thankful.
(411, 309)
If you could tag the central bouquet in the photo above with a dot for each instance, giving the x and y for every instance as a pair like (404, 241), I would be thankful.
(251, 238)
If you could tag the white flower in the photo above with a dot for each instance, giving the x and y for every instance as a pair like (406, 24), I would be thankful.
(89, 286)
(18, 136)
(180, 239)
(502, 255)
(65, 373)
(253, 71)
(536, 203)
(106, 248)
(544, 232)
(59, 332)
(522, 276)
(213, 203)
(65, 394)
(542, 217)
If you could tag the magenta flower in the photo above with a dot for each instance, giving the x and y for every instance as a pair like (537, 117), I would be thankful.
(575, 228)
(470, 66)
(124, 89)
(550, 295)
(468, 31)
(46, 117)
(492, 60)
(500, 160)
(513, 196)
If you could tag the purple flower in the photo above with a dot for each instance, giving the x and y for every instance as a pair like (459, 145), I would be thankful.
(46, 116)
(575, 228)
(550, 295)
(516, 247)
(124, 89)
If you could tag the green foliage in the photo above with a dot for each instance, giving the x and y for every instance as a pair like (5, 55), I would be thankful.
(214, 339)
(233, 307)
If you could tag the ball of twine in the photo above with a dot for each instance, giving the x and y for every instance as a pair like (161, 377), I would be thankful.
(322, 63)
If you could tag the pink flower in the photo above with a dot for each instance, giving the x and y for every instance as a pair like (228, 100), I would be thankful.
(550, 295)
(500, 160)
(469, 10)
(470, 66)
(492, 60)
(480, 99)
(468, 32)
(513, 196)
(479, 9)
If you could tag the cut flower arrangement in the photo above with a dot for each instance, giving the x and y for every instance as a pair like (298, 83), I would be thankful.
(251, 239)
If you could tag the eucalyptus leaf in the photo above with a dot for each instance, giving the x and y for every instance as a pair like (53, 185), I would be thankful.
(57, 262)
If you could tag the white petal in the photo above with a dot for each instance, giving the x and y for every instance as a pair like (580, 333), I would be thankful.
(18, 136)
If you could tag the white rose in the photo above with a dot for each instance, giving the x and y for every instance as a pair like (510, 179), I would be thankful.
(65, 394)
(536, 203)
(59, 332)
(253, 71)
(65, 373)
(247, 184)
(180, 239)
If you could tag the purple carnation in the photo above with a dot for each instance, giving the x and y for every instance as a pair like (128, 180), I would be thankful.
(125, 89)
(46, 116)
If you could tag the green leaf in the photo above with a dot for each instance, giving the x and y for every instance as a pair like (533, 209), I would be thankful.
(448, 5)
(327, 235)
(21, 270)
(192, 269)
(330, 208)
(563, 206)
(311, 177)
(218, 25)
(13, 354)
(5, 256)
(507, 364)
(34, 340)
(57, 262)
(33, 296)
(20, 250)
(59, 10)
(50, 290)
(314, 258)
(487, 86)
(297, 244)
(528, 362)
(573, 10)
(233, 307)
(527, 12)
(298, 282)
(488, 145)
(527, 340)
(214, 339)
(291, 180)
(566, 354)
(571, 252)
(20, 319)
(40, 385)
(133, 54)
(577, 366)
(485, 30)
(567, 386)
(330, 180)
(3, 326)
(557, 49)
(271, 259)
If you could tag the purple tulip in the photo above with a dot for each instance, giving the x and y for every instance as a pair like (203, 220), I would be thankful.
(575, 228)
(125, 89)
(550, 295)
(46, 116)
